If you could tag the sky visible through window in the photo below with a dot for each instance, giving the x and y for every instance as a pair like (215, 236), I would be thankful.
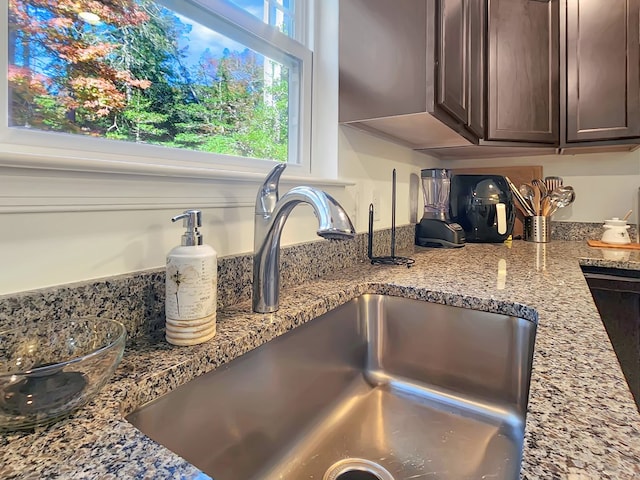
(201, 38)
(254, 7)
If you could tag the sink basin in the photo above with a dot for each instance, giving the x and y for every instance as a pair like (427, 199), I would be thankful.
(380, 388)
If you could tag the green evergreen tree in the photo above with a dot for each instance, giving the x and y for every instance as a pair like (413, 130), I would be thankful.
(149, 51)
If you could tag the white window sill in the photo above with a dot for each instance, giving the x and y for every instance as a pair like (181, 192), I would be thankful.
(32, 182)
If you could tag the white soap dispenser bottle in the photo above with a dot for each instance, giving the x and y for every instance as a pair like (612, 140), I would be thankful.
(191, 286)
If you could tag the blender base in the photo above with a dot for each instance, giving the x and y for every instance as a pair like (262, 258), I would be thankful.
(438, 233)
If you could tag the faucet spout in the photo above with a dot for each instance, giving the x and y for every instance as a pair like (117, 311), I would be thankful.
(270, 216)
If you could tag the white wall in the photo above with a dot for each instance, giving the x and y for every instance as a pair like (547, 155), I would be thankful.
(606, 184)
(58, 227)
(370, 162)
(44, 244)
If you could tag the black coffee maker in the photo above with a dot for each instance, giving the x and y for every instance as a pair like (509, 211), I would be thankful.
(436, 228)
(483, 206)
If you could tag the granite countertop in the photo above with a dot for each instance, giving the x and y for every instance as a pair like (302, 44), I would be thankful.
(582, 421)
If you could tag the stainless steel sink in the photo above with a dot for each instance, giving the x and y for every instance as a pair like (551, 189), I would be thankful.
(380, 388)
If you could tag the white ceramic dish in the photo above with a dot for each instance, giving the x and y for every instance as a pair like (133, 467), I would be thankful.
(616, 231)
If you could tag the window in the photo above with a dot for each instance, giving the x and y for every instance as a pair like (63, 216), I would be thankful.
(210, 82)
(281, 14)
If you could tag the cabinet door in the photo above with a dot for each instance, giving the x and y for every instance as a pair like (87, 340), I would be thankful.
(603, 57)
(382, 59)
(453, 68)
(476, 44)
(523, 66)
(461, 40)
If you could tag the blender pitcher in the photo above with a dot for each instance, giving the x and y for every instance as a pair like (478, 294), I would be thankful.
(436, 229)
(436, 186)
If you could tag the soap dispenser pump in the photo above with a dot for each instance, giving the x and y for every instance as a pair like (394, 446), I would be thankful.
(191, 285)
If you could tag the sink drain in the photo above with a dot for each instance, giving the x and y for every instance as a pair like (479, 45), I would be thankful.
(357, 469)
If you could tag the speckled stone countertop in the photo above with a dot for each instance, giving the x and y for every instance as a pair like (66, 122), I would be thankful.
(582, 421)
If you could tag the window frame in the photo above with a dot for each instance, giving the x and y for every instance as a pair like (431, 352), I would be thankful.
(40, 149)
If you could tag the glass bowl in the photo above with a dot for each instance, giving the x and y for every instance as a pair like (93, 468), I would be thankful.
(51, 368)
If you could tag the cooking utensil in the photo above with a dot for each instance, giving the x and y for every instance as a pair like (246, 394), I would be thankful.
(526, 192)
(524, 206)
(560, 198)
(553, 182)
(627, 215)
(536, 182)
(570, 195)
(537, 199)
(533, 194)
(545, 206)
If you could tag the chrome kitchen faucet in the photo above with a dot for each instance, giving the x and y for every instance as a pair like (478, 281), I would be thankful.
(271, 214)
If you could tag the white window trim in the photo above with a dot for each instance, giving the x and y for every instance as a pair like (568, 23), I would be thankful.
(260, 37)
(44, 179)
(42, 189)
(17, 149)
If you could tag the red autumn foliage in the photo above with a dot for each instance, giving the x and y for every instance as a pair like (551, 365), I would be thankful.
(89, 80)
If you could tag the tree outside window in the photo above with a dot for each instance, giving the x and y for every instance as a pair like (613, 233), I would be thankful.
(136, 71)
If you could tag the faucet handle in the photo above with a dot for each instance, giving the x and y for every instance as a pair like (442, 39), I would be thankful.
(268, 194)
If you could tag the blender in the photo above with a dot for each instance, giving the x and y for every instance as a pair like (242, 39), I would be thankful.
(436, 228)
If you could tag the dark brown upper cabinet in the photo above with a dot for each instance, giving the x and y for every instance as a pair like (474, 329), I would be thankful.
(602, 69)
(467, 75)
(522, 74)
(562, 73)
(460, 61)
(405, 71)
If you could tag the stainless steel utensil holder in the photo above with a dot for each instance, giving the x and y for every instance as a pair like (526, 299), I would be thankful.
(537, 229)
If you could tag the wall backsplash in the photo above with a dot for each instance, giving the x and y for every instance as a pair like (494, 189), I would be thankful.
(583, 231)
(137, 299)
